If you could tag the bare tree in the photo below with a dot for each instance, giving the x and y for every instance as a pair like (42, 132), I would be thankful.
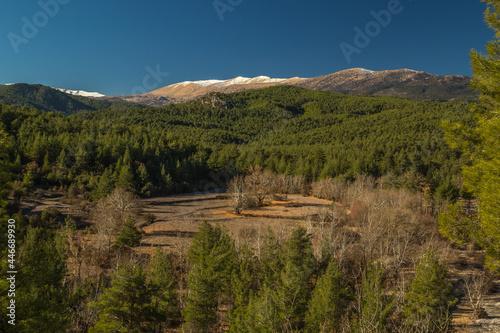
(330, 189)
(110, 214)
(237, 189)
(260, 183)
(476, 286)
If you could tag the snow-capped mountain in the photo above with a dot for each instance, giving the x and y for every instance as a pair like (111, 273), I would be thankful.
(80, 93)
(405, 83)
(224, 83)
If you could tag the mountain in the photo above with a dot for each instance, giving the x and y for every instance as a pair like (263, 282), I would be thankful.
(80, 93)
(404, 83)
(49, 99)
(189, 90)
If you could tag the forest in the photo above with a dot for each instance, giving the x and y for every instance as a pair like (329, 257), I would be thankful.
(287, 130)
(406, 231)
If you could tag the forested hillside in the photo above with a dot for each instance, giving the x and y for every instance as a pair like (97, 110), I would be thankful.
(49, 99)
(288, 130)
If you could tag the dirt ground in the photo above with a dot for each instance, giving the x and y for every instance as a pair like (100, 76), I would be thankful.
(180, 216)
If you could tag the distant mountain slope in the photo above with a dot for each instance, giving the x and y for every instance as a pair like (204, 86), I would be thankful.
(357, 81)
(48, 99)
(401, 83)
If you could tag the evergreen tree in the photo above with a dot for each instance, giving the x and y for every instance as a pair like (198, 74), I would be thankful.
(129, 236)
(295, 283)
(375, 306)
(126, 178)
(128, 306)
(4, 175)
(430, 296)
(105, 184)
(244, 285)
(41, 291)
(164, 279)
(29, 177)
(329, 301)
(482, 143)
(46, 167)
(213, 257)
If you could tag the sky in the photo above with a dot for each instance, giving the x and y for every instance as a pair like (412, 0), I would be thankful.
(123, 47)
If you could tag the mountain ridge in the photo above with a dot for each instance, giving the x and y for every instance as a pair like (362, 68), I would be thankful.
(406, 83)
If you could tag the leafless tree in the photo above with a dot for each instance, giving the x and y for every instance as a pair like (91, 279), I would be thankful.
(237, 189)
(330, 189)
(260, 183)
(476, 286)
(110, 214)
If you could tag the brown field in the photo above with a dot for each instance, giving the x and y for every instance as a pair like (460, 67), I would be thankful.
(180, 216)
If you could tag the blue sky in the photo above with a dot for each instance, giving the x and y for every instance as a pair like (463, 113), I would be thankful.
(113, 46)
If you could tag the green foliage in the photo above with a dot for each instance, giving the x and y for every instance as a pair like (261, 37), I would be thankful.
(129, 236)
(299, 266)
(280, 303)
(244, 285)
(213, 257)
(429, 298)
(481, 143)
(4, 174)
(41, 291)
(329, 301)
(164, 279)
(126, 179)
(458, 226)
(128, 305)
(375, 306)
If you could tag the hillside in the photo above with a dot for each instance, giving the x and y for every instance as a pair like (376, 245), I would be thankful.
(49, 99)
(404, 83)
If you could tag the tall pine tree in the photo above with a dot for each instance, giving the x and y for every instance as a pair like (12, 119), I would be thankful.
(482, 142)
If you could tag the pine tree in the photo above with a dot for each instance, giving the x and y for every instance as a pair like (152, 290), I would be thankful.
(213, 257)
(280, 304)
(29, 177)
(374, 306)
(329, 301)
(46, 167)
(295, 280)
(41, 291)
(129, 236)
(481, 142)
(105, 184)
(430, 298)
(4, 174)
(458, 225)
(128, 306)
(164, 279)
(244, 285)
(126, 178)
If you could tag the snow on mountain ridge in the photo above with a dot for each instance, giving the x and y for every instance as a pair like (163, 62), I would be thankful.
(225, 83)
(80, 93)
